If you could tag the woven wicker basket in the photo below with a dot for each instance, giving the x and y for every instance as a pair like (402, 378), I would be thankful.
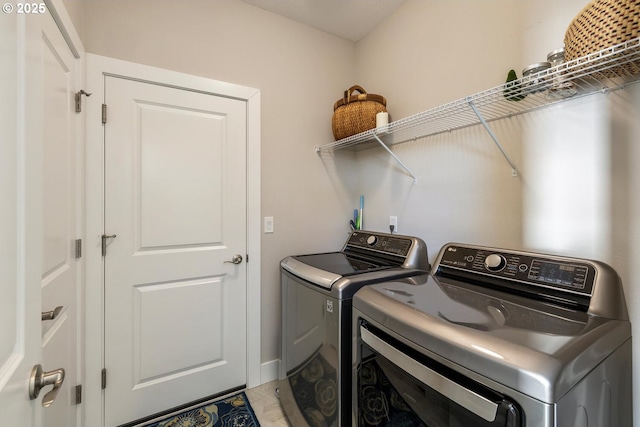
(356, 113)
(602, 24)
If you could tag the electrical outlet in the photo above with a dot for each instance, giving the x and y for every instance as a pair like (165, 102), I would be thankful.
(393, 222)
(268, 224)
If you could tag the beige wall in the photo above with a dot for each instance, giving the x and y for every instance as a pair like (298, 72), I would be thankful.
(74, 9)
(425, 55)
(300, 72)
(432, 52)
(429, 53)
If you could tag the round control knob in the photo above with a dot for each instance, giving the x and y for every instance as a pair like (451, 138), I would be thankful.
(495, 262)
(371, 240)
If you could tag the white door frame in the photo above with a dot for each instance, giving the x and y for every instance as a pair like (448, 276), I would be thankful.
(96, 67)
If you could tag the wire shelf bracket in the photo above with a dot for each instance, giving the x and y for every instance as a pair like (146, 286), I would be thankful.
(514, 170)
(377, 138)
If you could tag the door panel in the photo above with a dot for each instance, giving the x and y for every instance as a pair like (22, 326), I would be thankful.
(59, 271)
(20, 221)
(152, 324)
(175, 197)
(165, 154)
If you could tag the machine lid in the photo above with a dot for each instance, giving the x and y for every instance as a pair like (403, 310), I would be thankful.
(341, 263)
(531, 346)
(327, 268)
(364, 252)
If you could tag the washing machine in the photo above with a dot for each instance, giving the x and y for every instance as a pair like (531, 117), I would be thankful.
(315, 385)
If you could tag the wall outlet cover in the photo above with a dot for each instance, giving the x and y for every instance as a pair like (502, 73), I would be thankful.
(393, 221)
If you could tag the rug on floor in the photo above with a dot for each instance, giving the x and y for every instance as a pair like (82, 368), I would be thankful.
(232, 411)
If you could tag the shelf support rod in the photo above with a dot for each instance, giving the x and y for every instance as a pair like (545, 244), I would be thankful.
(415, 179)
(514, 170)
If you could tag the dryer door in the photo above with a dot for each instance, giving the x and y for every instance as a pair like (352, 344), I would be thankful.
(404, 387)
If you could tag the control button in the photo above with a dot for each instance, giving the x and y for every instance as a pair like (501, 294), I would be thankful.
(523, 267)
(495, 262)
(469, 258)
(372, 240)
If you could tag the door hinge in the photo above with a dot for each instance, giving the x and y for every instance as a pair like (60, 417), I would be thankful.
(104, 378)
(79, 100)
(78, 248)
(104, 113)
(78, 394)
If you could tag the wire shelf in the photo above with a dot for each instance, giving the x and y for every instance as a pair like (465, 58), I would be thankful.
(609, 69)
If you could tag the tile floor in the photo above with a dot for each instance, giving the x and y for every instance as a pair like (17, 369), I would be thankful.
(266, 405)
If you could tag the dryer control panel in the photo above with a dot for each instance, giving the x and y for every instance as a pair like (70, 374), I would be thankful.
(521, 270)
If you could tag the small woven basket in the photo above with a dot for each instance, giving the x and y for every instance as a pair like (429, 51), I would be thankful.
(602, 24)
(356, 113)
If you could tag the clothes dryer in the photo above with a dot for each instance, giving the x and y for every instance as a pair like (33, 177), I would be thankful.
(494, 337)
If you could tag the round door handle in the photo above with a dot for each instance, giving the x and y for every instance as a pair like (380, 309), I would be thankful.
(236, 259)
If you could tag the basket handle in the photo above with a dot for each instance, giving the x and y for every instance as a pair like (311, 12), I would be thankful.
(349, 93)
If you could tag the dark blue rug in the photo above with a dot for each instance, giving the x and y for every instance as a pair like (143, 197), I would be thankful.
(232, 411)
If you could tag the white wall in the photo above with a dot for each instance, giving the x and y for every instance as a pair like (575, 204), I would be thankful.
(300, 72)
(624, 210)
(575, 192)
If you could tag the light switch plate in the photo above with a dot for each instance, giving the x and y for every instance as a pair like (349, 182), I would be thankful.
(268, 224)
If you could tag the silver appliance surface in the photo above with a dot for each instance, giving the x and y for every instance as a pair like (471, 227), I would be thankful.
(363, 252)
(317, 291)
(542, 329)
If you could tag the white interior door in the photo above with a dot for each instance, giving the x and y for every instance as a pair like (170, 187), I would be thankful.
(59, 271)
(20, 222)
(175, 202)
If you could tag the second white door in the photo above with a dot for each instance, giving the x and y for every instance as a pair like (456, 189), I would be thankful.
(175, 204)
(60, 278)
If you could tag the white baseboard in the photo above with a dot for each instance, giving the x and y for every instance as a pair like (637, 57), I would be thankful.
(269, 371)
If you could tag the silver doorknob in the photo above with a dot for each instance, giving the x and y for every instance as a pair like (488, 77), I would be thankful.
(236, 259)
(50, 315)
(40, 379)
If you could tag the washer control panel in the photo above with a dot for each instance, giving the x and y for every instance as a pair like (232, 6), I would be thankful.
(521, 268)
(381, 243)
